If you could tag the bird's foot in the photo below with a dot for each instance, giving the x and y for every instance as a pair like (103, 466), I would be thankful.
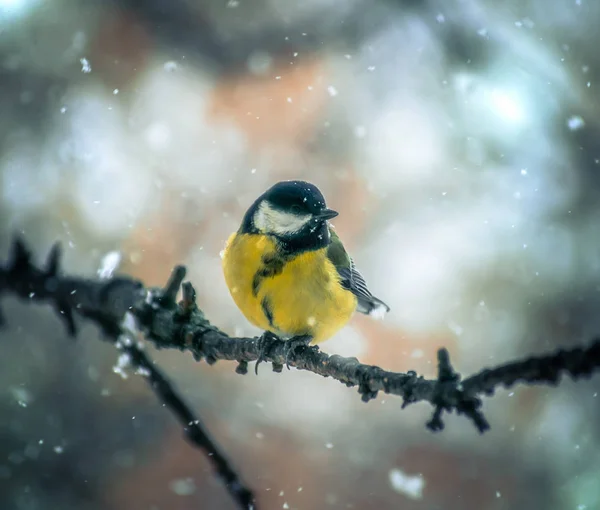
(264, 344)
(293, 344)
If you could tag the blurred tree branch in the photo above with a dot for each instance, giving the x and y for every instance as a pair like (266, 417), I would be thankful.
(107, 302)
(183, 326)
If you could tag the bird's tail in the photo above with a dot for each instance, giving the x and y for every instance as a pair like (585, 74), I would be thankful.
(373, 306)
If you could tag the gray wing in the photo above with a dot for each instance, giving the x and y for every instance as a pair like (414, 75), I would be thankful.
(352, 280)
(355, 283)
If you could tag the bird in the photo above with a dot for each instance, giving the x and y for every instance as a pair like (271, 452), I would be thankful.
(289, 273)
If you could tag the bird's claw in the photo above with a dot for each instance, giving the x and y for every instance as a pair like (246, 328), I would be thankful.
(292, 344)
(264, 343)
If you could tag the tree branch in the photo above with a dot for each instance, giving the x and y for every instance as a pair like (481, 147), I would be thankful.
(193, 427)
(183, 326)
(106, 302)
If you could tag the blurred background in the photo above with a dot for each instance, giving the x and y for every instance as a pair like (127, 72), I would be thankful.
(457, 138)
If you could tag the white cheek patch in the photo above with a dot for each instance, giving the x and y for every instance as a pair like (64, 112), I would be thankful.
(269, 220)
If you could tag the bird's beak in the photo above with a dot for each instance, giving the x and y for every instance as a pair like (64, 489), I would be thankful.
(326, 214)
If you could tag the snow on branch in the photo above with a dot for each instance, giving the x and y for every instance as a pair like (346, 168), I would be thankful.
(183, 326)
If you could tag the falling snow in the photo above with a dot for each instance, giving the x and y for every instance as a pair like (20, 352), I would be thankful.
(410, 486)
(109, 264)
(183, 486)
(575, 123)
(85, 65)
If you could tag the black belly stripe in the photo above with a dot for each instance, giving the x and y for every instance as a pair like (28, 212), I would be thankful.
(267, 310)
(272, 266)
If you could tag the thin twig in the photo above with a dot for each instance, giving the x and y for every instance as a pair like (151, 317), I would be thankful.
(106, 302)
(195, 430)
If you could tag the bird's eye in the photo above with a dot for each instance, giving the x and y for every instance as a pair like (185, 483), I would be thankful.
(296, 209)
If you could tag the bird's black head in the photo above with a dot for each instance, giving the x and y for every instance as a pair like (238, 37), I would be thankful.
(294, 212)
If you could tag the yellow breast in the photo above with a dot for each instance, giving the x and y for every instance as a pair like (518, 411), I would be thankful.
(300, 295)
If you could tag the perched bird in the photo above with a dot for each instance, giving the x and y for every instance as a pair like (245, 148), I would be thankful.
(288, 271)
